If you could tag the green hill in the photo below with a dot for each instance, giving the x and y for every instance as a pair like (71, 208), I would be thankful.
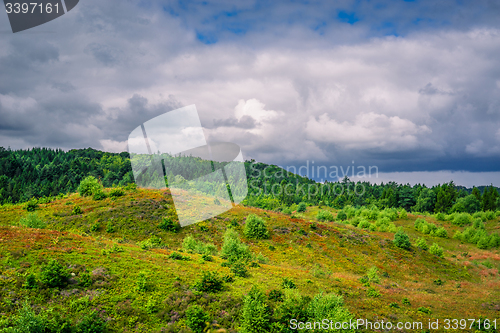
(121, 265)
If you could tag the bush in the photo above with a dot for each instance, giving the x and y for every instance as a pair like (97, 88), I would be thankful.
(255, 228)
(178, 256)
(91, 323)
(32, 221)
(441, 232)
(372, 292)
(31, 205)
(233, 249)
(276, 295)
(89, 186)
(169, 224)
(341, 215)
(402, 240)
(436, 250)
(403, 214)
(255, 314)
(329, 306)
(77, 210)
(239, 269)
(30, 282)
(288, 284)
(54, 275)
(116, 192)
(142, 283)
(109, 227)
(324, 215)
(152, 243)
(421, 243)
(85, 279)
(195, 246)
(196, 318)
(461, 219)
(373, 275)
(364, 224)
(27, 321)
(99, 195)
(210, 282)
(406, 301)
(424, 310)
(301, 207)
(440, 216)
(287, 211)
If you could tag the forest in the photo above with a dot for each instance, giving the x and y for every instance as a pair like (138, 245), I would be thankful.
(43, 172)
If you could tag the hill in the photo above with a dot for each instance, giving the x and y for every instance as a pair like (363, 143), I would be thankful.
(121, 265)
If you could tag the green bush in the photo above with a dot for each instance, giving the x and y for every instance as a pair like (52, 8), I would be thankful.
(91, 323)
(54, 275)
(276, 295)
(32, 221)
(402, 240)
(441, 232)
(363, 224)
(461, 219)
(195, 246)
(406, 301)
(99, 195)
(233, 249)
(288, 284)
(178, 256)
(287, 211)
(116, 192)
(372, 292)
(27, 321)
(373, 275)
(421, 243)
(196, 318)
(301, 207)
(255, 228)
(169, 224)
(153, 242)
(329, 306)
(239, 269)
(143, 283)
(89, 186)
(85, 279)
(31, 205)
(77, 210)
(210, 282)
(110, 228)
(424, 310)
(341, 215)
(324, 215)
(30, 282)
(255, 314)
(490, 215)
(403, 214)
(440, 216)
(436, 250)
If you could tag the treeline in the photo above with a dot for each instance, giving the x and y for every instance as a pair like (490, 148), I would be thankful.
(43, 172)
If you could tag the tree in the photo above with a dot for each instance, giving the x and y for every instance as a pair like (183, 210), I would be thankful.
(469, 204)
(446, 197)
(489, 198)
(89, 186)
(425, 201)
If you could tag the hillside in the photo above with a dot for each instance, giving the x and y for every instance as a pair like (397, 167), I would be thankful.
(129, 270)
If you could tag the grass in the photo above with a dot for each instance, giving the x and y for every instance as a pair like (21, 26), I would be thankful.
(145, 289)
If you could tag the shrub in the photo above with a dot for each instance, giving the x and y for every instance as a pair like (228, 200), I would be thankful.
(287, 211)
(239, 269)
(490, 215)
(91, 323)
(255, 314)
(27, 321)
(406, 301)
(478, 223)
(301, 207)
(288, 284)
(95, 227)
(31, 205)
(255, 228)
(276, 295)
(440, 216)
(403, 214)
(373, 275)
(402, 240)
(32, 221)
(116, 192)
(372, 292)
(441, 232)
(436, 250)
(151, 243)
(421, 243)
(341, 215)
(262, 259)
(195, 246)
(210, 282)
(329, 306)
(207, 257)
(77, 210)
(233, 249)
(178, 256)
(109, 227)
(89, 186)
(461, 219)
(85, 279)
(99, 195)
(424, 310)
(169, 224)
(196, 318)
(324, 215)
(54, 275)
(30, 282)
(419, 223)
(142, 283)
(364, 224)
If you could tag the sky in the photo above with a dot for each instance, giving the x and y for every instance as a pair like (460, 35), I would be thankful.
(411, 87)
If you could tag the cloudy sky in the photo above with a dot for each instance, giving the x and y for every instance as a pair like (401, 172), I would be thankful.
(412, 87)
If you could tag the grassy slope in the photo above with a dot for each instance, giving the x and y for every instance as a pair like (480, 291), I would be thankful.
(317, 256)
